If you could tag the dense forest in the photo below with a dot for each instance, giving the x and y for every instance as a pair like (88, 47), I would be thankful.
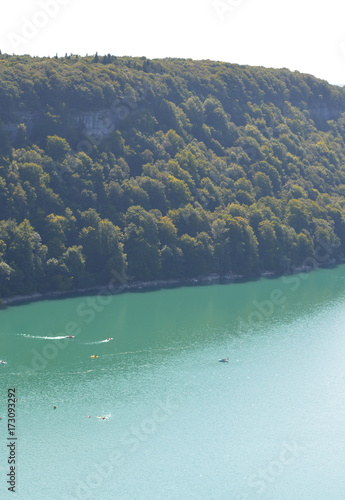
(156, 169)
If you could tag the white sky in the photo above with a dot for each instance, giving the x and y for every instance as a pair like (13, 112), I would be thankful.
(303, 35)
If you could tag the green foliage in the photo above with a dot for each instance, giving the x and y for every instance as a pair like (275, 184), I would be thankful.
(57, 147)
(164, 169)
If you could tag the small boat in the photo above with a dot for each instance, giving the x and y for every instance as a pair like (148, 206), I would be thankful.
(69, 337)
(224, 360)
(3, 362)
(94, 356)
(109, 339)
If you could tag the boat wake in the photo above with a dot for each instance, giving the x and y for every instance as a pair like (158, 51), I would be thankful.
(43, 338)
(104, 417)
(97, 342)
(57, 337)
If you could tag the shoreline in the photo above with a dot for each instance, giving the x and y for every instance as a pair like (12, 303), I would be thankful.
(114, 290)
(211, 278)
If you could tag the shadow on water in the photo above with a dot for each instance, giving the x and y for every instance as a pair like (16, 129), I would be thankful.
(142, 287)
(133, 289)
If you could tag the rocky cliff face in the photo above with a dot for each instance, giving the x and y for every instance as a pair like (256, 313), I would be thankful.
(93, 124)
(27, 118)
(321, 112)
(97, 125)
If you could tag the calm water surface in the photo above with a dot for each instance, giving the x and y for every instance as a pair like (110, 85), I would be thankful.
(179, 425)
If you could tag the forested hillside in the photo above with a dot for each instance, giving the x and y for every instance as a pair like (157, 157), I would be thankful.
(114, 167)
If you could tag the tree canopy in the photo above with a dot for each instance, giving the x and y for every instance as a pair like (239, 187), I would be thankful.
(113, 166)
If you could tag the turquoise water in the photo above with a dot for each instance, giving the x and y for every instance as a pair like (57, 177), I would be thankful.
(270, 424)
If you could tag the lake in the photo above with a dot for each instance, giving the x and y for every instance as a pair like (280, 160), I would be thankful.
(156, 415)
